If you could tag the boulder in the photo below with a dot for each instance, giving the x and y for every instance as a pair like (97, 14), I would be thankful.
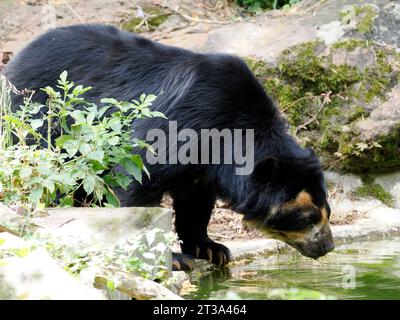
(29, 273)
(341, 99)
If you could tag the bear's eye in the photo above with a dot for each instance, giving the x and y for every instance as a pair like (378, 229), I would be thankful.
(296, 219)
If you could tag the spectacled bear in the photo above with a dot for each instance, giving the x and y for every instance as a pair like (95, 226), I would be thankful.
(284, 196)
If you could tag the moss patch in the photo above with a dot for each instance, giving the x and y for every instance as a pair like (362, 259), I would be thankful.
(375, 190)
(380, 155)
(351, 44)
(365, 16)
(154, 17)
(305, 73)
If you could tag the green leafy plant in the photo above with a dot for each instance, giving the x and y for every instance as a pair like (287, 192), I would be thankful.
(146, 254)
(69, 145)
(258, 5)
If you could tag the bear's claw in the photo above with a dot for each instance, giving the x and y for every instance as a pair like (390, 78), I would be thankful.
(211, 251)
(182, 262)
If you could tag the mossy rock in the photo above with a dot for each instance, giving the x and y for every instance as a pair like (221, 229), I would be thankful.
(372, 189)
(325, 91)
(362, 16)
(154, 17)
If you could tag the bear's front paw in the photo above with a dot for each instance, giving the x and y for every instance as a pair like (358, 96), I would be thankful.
(209, 250)
(182, 262)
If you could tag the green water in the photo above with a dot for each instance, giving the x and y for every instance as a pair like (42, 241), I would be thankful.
(360, 270)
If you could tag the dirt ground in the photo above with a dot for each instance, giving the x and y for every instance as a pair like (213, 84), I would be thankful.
(22, 20)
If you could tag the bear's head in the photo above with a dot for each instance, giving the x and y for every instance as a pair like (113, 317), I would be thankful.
(287, 200)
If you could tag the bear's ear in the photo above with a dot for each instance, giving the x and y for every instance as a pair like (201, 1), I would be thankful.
(267, 170)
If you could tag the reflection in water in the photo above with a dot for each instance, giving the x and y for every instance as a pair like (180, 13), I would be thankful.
(359, 270)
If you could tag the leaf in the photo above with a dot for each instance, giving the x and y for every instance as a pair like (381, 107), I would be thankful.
(71, 146)
(77, 90)
(44, 170)
(115, 124)
(36, 123)
(88, 184)
(102, 111)
(110, 180)
(111, 285)
(123, 181)
(35, 108)
(132, 168)
(25, 172)
(65, 179)
(150, 98)
(109, 101)
(19, 124)
(146, 112)
(160, 247)
(90, 118)
(67, 201)
(62, 139)
(113, 140)
(79, 116)
(97, 166)
(63, 76)
(158, 114)
(49, 184)
(36, 194)
(85, 148)
(137, 159)
(111, 198)
(97, 155)
(150, 237)
(34, 180)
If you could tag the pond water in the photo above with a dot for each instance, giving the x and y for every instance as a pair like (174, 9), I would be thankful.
(358, 270)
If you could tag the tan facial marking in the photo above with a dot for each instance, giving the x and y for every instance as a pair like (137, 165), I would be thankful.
(296, 236)
(324, 214)
(302, 200)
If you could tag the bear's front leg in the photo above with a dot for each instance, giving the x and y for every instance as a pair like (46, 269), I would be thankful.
(193, 206)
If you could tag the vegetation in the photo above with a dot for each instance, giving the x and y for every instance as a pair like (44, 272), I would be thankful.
(68, 149)
(146, 255)
(363, 14)
(374, 190)
(322, 99)
(151, 19)
(257, 5)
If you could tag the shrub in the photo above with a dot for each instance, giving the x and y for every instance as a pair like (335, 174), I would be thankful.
(257, 5)
(67, 145)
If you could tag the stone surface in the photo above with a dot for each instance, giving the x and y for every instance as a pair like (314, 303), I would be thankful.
(383, 119)
(12, 222)
(130, 286)
(265, 38)
(33, 275)
(391, 183)
(102, 231)
(178, 280)
(102, 227)
(331, 32)
(360, 58)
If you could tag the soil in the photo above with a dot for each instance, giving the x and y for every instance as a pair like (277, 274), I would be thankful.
(23, 20)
